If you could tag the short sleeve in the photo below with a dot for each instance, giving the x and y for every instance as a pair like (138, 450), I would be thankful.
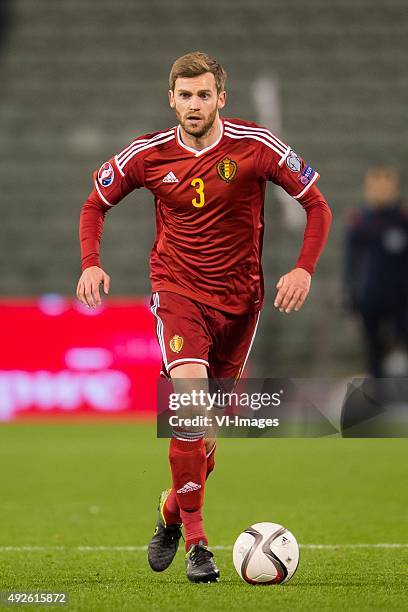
(118, 176)
(289, 171)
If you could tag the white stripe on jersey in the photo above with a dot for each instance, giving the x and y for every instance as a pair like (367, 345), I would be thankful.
(255, 137)
(247, 128)
(159, 139)
(132, 144)
(138, 141)
(282, 161)
(142, 148)
(266, 136)
(302, 193)
(275, 146)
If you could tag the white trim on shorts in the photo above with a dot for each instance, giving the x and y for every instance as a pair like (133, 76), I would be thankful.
(242, 368)
(159, 327)
(186, 360)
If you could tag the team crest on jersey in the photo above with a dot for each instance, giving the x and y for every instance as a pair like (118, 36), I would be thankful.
(176, 344)
(227, 169)
(293, 162)
(106, 174)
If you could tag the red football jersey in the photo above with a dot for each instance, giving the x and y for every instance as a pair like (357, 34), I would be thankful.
(209, 210)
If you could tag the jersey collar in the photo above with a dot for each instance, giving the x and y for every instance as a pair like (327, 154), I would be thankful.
(198, 153)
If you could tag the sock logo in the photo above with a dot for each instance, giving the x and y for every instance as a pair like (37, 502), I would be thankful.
(188, 487)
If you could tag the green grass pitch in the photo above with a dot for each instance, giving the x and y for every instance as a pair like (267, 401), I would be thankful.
(66, 487)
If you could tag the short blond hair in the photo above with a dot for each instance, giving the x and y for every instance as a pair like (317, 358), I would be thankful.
(194, 64)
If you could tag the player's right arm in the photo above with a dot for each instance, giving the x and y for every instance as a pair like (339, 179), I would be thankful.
(114, 180)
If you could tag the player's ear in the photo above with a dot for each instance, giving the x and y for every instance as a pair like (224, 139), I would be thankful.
(222, 98)
(171, 98)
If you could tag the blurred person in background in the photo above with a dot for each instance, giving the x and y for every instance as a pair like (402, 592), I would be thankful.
(376, 265)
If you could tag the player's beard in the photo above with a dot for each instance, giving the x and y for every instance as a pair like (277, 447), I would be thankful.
(198, 132)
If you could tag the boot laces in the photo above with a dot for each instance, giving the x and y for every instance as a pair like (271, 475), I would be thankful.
(200, 554)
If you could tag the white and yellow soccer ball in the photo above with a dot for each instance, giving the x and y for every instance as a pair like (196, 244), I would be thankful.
(266, 553)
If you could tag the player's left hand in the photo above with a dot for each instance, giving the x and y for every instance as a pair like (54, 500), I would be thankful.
(293, 288)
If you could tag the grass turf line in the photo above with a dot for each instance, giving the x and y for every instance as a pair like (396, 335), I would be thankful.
(97, 484)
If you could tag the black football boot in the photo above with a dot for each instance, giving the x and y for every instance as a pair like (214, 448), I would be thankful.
(200, 564)
(165, 541)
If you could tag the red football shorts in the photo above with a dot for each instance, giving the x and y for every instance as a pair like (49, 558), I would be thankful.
(191, 332)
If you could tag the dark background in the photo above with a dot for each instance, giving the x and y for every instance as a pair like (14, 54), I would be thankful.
(80, 79)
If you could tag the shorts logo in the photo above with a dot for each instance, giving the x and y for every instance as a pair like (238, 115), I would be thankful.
(293, 162)
(106, 174)
(176, 344)
(227, 169)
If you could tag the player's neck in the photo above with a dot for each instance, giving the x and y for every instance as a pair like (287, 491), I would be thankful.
(205, 141)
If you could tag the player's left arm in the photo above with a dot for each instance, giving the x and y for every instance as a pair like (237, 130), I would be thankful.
(298, 179)
(293, 287)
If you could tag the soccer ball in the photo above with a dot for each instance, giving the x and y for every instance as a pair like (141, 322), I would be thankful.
(266, 553)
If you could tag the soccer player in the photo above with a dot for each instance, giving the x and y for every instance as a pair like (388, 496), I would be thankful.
(208, 176)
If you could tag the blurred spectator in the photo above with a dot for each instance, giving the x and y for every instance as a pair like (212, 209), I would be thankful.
(376, 265)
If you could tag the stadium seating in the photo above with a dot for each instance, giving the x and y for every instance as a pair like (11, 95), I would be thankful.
(80, 80)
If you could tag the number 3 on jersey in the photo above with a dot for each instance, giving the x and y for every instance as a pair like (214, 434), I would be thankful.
(198, 184)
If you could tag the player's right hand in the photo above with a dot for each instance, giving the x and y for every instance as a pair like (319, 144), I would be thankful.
(88, 286)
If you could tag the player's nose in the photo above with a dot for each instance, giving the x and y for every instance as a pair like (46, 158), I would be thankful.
(195, 103)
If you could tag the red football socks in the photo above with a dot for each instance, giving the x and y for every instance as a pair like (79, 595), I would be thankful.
(188, 463)
(171, 508)
(193, 528)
